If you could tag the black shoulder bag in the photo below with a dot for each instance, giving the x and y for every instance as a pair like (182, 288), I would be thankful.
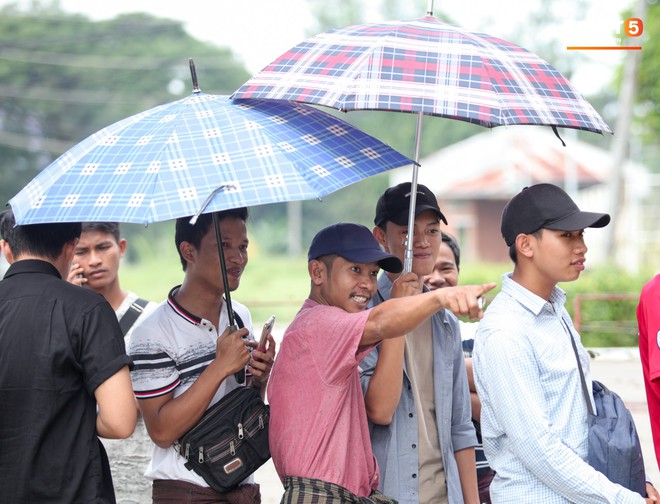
(230, 441)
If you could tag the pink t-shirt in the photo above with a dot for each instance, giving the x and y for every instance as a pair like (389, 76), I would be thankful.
(648, 319)
(318, 425)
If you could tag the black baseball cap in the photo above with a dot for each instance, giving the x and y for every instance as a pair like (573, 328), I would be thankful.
(394, 204)
(545, 206)
(353, 242)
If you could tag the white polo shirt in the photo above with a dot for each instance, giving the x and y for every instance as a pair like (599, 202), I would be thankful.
(170, 348)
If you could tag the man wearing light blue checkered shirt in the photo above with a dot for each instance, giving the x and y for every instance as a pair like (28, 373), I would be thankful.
(534, 415)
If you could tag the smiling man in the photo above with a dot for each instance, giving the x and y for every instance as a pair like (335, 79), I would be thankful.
(416, 387)
(186, 355)
(534, 415)
(319, 437)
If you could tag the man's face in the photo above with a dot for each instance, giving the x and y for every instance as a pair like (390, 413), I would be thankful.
(348, 285)
(205, 264)
(99, 255)
(445, 272)
(559, 256)
(426, 241)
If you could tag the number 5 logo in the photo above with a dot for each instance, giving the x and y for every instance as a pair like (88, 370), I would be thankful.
(633, 27)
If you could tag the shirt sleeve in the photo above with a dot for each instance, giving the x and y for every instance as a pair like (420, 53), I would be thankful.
(155, 372)
(508, 380)
(463, 434)
(102, 350)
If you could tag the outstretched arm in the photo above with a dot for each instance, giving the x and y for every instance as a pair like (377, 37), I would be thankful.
(400, 316)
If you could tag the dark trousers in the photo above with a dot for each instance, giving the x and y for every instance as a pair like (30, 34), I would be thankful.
(181, 492)
(313, 491)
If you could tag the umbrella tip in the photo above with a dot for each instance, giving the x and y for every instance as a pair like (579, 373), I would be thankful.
(429, 8)
(193, 75)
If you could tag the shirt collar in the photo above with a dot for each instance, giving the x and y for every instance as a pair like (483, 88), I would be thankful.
(530, 300)
(180, 310)
(32, 266)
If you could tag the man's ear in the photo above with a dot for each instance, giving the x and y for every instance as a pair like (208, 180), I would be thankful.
(122, 247)
(379, 234)
(524, 246)
(317, 271)
(187, 251)
(6, 250)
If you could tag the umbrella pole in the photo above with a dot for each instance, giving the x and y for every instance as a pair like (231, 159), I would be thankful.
(223, 268)
(239, 375)
(408, 257)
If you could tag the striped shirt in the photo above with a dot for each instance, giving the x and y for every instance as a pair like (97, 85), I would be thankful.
(534, 417)
(170, 349)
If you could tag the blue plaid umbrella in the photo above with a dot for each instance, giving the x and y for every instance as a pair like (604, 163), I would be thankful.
(202, 153)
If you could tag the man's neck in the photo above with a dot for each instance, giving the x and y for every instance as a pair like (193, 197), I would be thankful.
(114, 295)
(199, 301)
(534, 282)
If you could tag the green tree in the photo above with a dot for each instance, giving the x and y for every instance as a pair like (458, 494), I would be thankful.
(648, 84)
(64, 77)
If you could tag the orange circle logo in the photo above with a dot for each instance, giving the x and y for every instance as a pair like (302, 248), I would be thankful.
(633, 27)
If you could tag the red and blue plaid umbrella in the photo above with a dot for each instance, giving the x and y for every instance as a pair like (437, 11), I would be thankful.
(427, 67)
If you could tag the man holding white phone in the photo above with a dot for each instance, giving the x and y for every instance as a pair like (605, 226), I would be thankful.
(186, 355)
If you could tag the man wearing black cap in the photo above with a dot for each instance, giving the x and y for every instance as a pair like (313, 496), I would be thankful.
(534, 414)
(319, 438)
(422, 430)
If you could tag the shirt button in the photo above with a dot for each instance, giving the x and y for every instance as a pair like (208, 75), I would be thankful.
(414, 445)
(410, 415)
(414, 476)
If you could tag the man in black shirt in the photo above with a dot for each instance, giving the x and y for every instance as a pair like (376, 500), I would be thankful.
(64, 373)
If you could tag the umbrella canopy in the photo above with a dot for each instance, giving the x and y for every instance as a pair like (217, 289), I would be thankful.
(167, 162)
(427, 67)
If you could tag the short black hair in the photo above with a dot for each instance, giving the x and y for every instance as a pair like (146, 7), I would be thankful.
(451, 242)
(41, 240)
(104, 227)
(193, 233)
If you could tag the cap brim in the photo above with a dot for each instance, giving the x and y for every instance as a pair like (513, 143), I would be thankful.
(579, 220)
(402, 219)
(388, 262)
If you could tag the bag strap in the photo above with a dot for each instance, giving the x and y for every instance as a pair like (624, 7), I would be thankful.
(134, 311)
(586, 394)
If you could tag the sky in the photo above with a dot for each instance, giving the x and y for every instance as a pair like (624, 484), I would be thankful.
(260, 30)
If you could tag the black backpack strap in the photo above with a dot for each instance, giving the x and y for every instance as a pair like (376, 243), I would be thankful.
(132, 314)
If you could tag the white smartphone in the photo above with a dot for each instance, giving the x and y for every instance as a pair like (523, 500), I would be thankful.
(268, 327)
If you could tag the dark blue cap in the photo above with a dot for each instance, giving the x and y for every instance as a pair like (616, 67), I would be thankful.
(353, 242)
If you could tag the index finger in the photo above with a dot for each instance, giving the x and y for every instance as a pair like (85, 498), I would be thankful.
(483, 288)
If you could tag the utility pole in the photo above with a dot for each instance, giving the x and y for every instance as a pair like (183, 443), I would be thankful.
(620, 144)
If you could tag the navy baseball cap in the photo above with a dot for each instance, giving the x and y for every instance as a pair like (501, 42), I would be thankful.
(394, 204)
(353, 242)
(545, 206)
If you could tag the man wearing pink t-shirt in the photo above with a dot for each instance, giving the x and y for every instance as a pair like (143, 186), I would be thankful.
(319, 438)
(648, 320)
